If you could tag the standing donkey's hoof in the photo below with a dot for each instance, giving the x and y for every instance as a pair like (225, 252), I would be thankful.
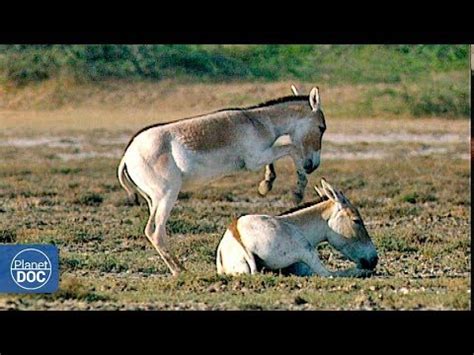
(264, 187)
(356, 273)
(177, 268)
(363, 273)
(177, 273)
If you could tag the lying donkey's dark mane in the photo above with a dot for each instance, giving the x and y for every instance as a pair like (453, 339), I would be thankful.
(272, 102)
(263, 104)
(303, 206)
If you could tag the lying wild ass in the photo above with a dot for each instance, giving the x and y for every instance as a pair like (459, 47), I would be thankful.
(289, 241)
(163, 159)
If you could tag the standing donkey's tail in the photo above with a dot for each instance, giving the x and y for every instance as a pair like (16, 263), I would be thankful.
(126, 182)
(220, 267)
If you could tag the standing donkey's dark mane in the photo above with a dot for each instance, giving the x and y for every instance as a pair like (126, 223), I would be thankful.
(263, 104)
(272, 102)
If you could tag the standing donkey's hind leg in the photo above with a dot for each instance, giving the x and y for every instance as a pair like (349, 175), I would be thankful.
(159, 213)
(159, 183)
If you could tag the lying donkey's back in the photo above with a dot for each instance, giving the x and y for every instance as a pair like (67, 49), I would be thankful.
(290, 240)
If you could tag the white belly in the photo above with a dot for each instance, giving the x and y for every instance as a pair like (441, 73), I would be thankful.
(200, 168)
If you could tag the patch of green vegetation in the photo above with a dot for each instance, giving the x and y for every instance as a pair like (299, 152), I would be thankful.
(441, 98)
(24, 172)
(445, 95)
(410, 198)
(71, 263)
(50, 239)
(429, 198)
(184, 195)
(90, 199)
(181, 226)
(111, 187)
(65, 170)
(415, 80)
(71, 288)
(84, 236)
(395, 243)
(150, 270)
(47, 202)
(7, 236)
(112, 264)
(329, 63)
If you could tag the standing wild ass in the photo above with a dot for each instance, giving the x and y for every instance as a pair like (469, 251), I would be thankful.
(163, 159)
(289, 241)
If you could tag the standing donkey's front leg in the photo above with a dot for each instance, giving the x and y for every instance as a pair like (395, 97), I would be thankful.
(302, 180)
(353, 272)
(266, 184)
(298, 193)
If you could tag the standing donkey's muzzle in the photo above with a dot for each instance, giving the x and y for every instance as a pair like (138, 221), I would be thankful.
(312, 164)
(308, 166)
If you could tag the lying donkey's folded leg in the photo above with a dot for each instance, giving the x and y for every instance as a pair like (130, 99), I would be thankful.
(298, 269)
(301, 269)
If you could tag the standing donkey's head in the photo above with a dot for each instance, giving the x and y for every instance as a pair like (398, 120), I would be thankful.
(310, 132)
(347, 231)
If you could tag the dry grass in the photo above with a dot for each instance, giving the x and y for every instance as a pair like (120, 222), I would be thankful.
(417, 210)
(57, 106)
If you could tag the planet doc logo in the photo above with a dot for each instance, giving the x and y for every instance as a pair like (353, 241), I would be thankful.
(31, 269)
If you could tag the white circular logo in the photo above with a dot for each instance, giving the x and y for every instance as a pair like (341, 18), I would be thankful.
(31, 269)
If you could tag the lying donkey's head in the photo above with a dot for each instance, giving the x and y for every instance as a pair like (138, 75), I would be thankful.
(347, 231)
(310, 132)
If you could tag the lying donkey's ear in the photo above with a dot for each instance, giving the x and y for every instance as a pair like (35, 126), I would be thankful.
(314, 99)
(330, 192)
(319, 192)
(294, 90)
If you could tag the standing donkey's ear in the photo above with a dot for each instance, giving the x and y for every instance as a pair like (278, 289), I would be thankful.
(314, 99)
(294, 90)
